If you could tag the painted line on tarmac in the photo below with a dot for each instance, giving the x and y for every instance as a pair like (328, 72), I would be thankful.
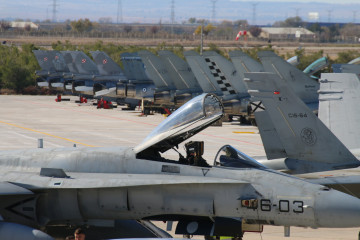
(47, 134)
(244, 132)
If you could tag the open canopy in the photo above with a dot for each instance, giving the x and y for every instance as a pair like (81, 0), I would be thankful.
(191, 118)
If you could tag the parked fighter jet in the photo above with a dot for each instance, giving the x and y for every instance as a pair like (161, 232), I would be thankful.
(291, 131)
(139, 86)
(159, 74)
(304, 87)
(110, 75)
(46, 187)
(53, 69)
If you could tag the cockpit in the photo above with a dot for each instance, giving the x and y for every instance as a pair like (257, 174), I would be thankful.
(194, 116)
(229, 156)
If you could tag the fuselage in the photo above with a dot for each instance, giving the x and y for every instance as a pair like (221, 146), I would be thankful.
(111, 183)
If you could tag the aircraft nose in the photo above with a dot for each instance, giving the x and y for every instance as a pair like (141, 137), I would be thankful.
(337, 209)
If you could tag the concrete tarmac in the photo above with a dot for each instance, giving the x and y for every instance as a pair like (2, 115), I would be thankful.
(25, 119)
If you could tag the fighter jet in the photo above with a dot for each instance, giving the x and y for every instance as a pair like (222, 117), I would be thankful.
(159, 74)
(304, 87)
(293, 137)
(53, 71)
(110, 75)
(60, 187)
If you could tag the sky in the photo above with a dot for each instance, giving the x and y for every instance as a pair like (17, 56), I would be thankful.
(154, 11)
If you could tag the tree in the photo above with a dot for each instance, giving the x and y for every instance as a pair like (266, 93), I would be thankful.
(4, 25)
(154, 29)
(127, 28)
(206, 30)
(290, 22)
(192, 20)
(103, 20)
(255, 31)
(82, 25)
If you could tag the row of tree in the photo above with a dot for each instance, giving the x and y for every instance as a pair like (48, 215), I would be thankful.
(18, 65)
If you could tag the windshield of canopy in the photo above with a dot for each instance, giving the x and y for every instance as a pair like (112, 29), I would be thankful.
(192, 117)
(229, 156)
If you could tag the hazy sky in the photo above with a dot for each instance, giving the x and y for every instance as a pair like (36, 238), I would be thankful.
(153, 11)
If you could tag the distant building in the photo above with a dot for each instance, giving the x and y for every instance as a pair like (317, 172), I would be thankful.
(24, 25)
(286, 33)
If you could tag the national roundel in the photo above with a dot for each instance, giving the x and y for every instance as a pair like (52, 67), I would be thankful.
(83, 60)
(105, 61)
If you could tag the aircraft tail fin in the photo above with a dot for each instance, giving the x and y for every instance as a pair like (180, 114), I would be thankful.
(302, 134)
(69, 61)
(105, 64)
(209, 75)
(83, 63)
(305, 87)
(180, 71)
(225, 73)
(269, 136)
(156, 70)
(244, 63)
(133, 67)
(338, 106)
(45, 59)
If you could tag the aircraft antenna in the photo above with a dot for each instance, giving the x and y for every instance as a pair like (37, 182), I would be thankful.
(213, 15)
(119, 18)
(254, 13)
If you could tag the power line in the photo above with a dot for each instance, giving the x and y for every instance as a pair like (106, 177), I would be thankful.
(172, 16)
(213, 15)
(119, 18)
(329, 15)
(54, 11)
(254, 13)
(172, 13)
(354, 16)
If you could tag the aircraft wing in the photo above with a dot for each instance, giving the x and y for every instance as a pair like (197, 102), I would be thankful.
(21, 181)
(347, 180)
